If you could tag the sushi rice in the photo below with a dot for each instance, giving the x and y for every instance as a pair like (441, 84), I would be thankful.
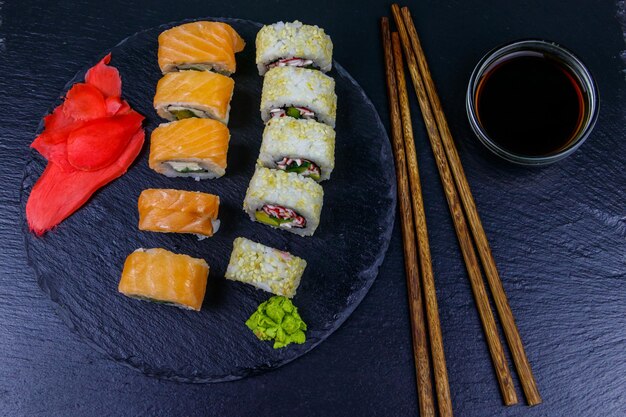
(274, 191)
(265, 268)
(299, 140)
(293, 43)
(285, 87)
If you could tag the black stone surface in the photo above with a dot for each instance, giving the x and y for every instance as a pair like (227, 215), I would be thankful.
(79, 263)
(558, 233)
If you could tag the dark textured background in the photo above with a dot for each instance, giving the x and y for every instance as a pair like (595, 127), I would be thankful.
(558, 233)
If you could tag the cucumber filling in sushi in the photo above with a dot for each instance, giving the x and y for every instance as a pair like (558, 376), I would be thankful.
(292, 62)
(295, 112)
(201, 67)
(301, 166)
(279, 216)
(181, 113)
(187, 167)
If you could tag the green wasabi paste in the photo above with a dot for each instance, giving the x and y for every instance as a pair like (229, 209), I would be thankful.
(278, 319)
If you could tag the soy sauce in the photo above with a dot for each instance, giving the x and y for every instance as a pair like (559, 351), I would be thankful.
(530, 104)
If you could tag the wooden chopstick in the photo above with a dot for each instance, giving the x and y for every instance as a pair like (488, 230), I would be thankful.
(418, 326)
(442, 386)
(501, 366)
(527, 380)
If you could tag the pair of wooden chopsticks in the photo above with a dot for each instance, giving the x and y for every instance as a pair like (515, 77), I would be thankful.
(414, 224)
(459, 199)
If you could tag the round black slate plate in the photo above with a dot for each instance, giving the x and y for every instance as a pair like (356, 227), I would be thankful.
(80, 262)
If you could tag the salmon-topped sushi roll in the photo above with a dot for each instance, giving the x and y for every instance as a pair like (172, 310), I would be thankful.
(185, 94)
(176, 211)
(193, 148)
(165, 277)
(200, 46)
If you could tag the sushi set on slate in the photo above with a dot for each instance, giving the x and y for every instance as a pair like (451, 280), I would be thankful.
(94, 136)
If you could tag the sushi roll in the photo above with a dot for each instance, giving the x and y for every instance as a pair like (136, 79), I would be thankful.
(299, 93)
(176, 211)
(284, 200)
(192, 147)
(299, 145)
(199, 46)
(165, 277)
(293, 44)
(185, 94)
(266, 268)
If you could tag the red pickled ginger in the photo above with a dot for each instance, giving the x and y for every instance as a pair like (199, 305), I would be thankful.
(89, 140)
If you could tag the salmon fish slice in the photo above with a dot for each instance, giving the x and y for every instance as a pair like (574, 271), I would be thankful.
(185, 94)
(176, 211)
(193, 148)
(200, 46)
(165, 277)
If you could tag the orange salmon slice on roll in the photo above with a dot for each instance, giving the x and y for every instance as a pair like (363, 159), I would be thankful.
(176, 211)
(195, 148)
(164, 277)
(200, 46)
(188, 94)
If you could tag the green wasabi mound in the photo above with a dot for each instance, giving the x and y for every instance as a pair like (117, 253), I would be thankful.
(278, 319)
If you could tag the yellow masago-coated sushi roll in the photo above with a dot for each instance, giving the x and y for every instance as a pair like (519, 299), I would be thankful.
(299, 93)
(266, 268)
(185, 94)
(284, 200)
(165, 277)
(298, 145)
(293, 44)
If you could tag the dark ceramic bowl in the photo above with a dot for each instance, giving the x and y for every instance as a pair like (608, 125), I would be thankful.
(567, 58)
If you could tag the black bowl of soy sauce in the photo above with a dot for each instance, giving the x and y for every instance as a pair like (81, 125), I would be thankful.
(532, 102)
